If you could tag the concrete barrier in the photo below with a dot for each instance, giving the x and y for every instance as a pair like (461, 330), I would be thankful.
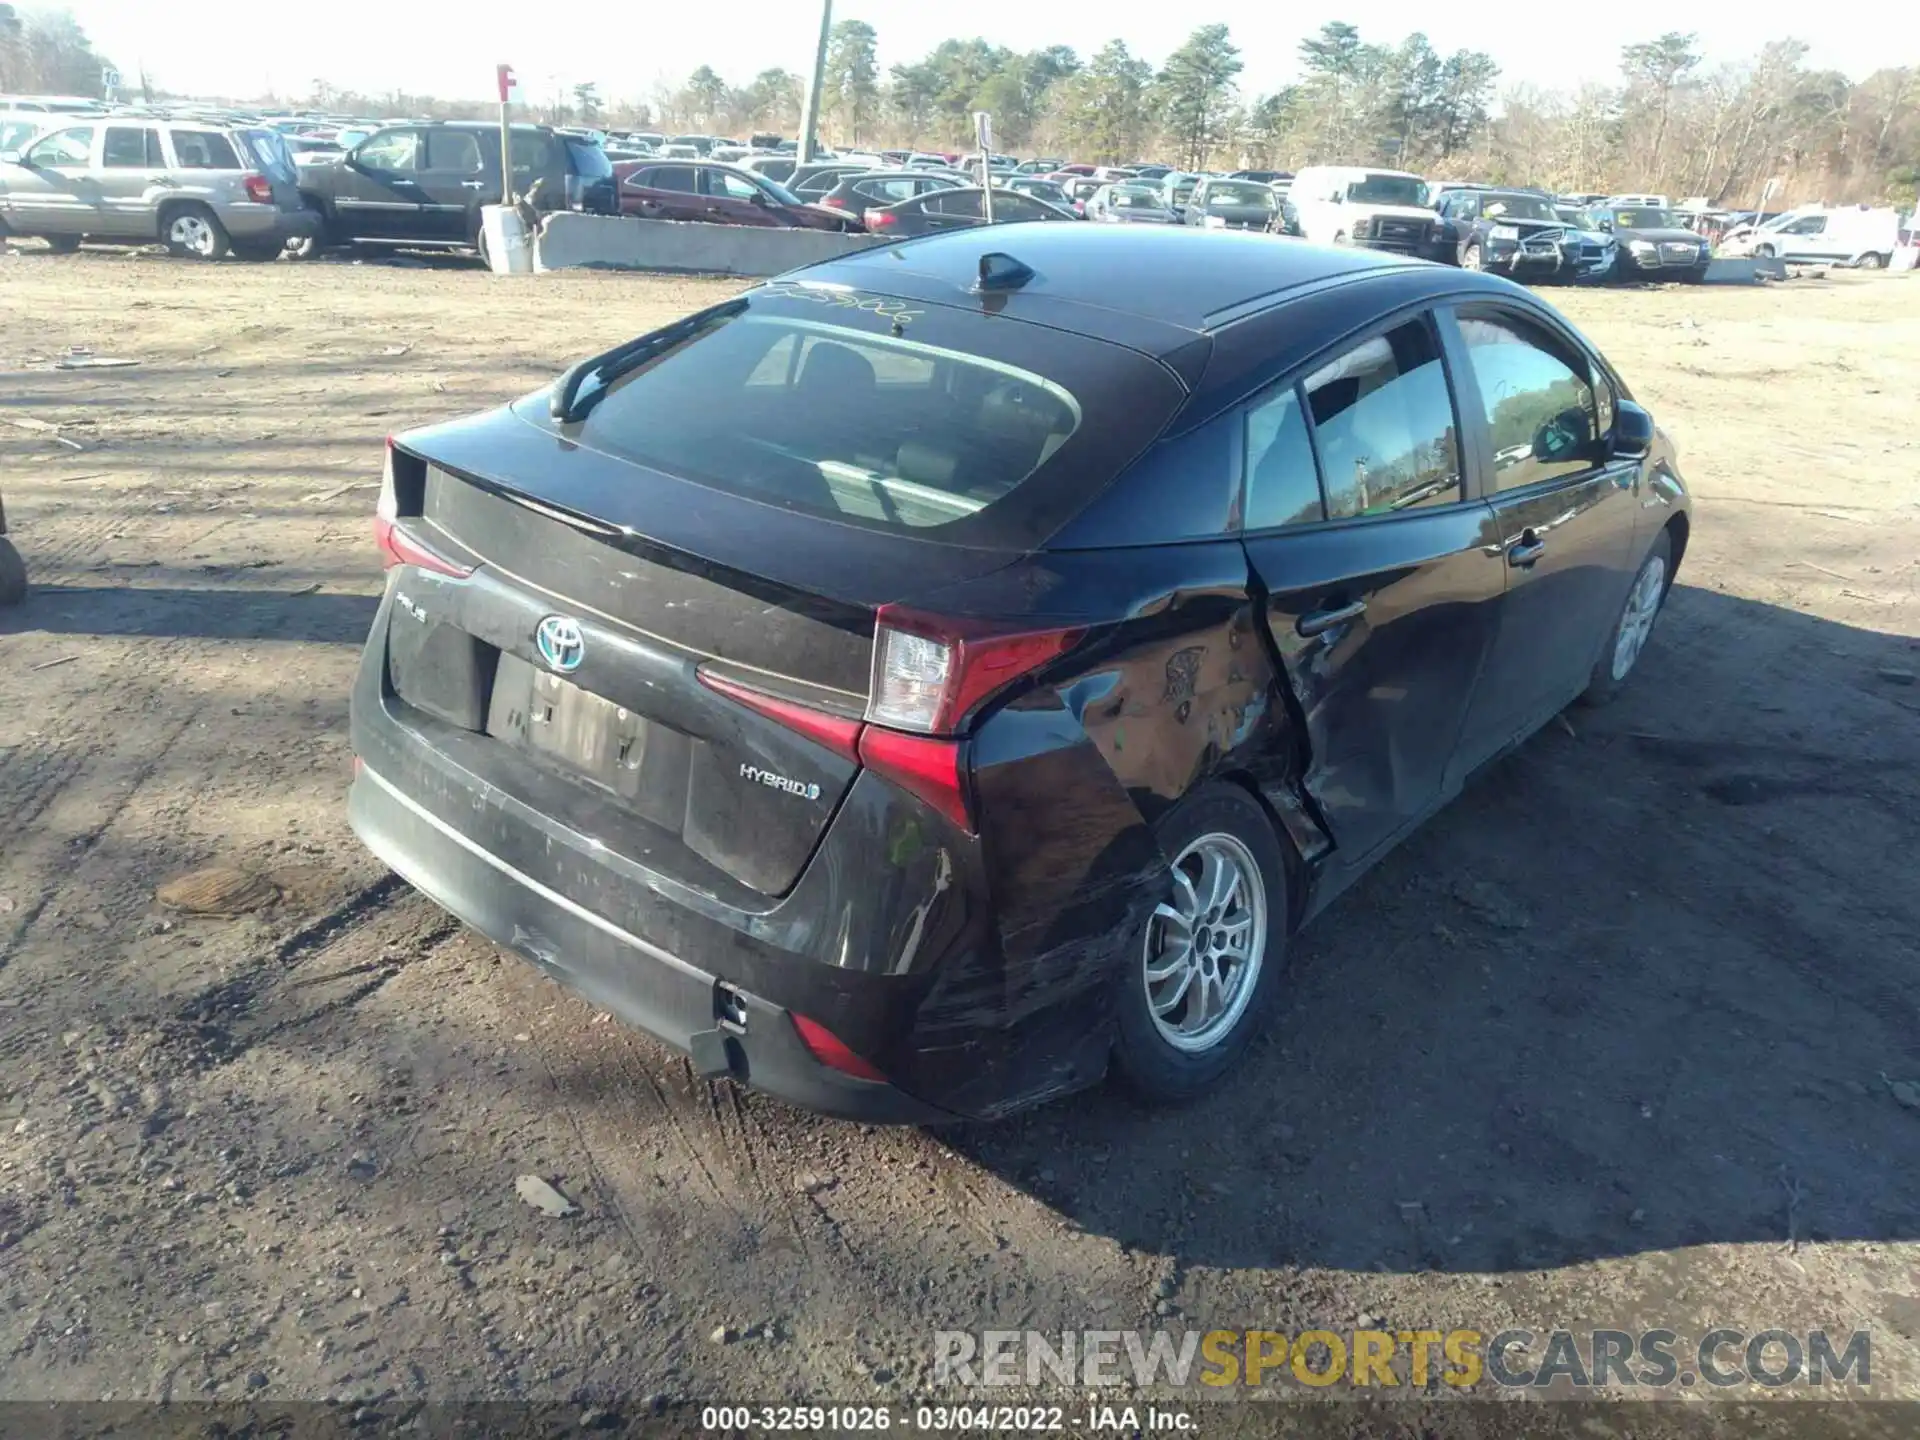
(1744, 270)
(626, 242)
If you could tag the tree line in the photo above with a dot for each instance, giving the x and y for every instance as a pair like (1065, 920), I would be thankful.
(1669, 122)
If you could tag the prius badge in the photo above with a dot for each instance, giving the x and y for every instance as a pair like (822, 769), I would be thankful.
(561, 644)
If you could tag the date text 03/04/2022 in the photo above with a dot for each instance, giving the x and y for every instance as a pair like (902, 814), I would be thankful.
(937, 1419)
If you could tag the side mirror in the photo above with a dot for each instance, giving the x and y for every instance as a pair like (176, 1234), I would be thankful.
(1605, 224)
(1632, 431)
(759, 199)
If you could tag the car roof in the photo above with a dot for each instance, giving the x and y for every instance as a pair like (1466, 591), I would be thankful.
(1098, 269)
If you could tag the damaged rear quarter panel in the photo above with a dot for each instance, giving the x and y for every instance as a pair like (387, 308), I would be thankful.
(1068, 780)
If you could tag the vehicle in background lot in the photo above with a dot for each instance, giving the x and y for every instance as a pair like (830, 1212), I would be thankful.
(1519, 234)
(310, 147)
(1047, 190)
(865, 189)
(917, 160)
(13, 570)
(1153, 172)
(1176, 190)
(1140, 204)
(425, 184)
(717, 619)
(1650, 245)
(675, 151)
(53, 104)
(1852, 235)
(1286, 219)
(1635, 202)
(719, 194)
(701, 143)
(16, 131)
(1265, 177)
(958, 208)
(1362, 205)
(774, 167)
(1039, 167)
(1079, 190)
(769, 140)
(1221, 204)
(816, 180)
(201, 190)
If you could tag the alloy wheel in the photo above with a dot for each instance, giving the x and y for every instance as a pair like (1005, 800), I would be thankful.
(191, 232)
(1636, 621)
(1204, 945)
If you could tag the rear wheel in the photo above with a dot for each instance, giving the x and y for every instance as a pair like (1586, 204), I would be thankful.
(1198, 983)
(1634, 624)
(1763, 252)
(13, 574)
(62, 244)
(1871, 261)
(193, 233)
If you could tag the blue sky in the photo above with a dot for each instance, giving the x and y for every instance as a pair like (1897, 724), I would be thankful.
(449, 47)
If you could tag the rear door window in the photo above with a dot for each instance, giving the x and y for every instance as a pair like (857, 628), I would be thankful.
(131, 148)
(889, 414)
(454, 151)
(203, 150)
(531, 152)
(1383, 422)
(681, 179)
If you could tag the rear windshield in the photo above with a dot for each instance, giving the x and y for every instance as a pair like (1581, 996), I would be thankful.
(889, 414)
(1137, 197)
(1222, 197)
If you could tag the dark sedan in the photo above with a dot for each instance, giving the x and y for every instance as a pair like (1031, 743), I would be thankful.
(959, 208)
(1651, 244)
(864, 189)
(718, 194)
(1217, 204)
(1130, 205)
(945, 674)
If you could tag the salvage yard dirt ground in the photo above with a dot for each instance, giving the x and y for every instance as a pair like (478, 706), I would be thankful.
(1621, 1039)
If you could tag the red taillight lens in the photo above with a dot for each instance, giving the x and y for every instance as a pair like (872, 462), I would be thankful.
(835, 732)
(922, 765)
(929, 675)
(835, 201)
(880, 220)
(397, 545)
(259, 189)
(830, 1050)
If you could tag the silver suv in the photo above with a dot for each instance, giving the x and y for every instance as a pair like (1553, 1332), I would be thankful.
(201, 189)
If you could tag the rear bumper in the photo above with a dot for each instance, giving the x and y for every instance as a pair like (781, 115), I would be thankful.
(725, 1030)
(269, 222)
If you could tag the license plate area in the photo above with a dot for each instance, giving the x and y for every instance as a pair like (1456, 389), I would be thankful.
(556, 720)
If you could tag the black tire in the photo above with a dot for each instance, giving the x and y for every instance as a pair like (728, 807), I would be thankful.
(1871, 261)
(62, 244)
(193, 232)
(1604, 684)
(1763, 252)
(305, 247)
(1473, 258)
(1145, 1062)
(260, 251)
(13, 574)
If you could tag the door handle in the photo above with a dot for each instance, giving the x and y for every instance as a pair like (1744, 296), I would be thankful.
(1526, 550)
(1315, 622)
(473, 184)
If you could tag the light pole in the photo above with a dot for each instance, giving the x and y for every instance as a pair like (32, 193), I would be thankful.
(810, 112)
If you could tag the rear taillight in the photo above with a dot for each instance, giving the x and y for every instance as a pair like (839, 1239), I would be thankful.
(879, 220)
(835, 201)
(259, 189)
(398, 546)
(929, 674)
(830, 1050)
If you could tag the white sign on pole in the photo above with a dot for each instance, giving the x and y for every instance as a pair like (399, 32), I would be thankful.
(109, 78)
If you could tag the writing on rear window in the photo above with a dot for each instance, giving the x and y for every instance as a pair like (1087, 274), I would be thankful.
(885, 306)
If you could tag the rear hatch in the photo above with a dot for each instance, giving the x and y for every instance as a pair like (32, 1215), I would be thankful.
(666, 635)
(267, 150)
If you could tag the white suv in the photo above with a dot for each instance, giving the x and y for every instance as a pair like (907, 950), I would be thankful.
(1362, 205)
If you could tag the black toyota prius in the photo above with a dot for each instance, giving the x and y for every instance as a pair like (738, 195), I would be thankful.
(939, 677)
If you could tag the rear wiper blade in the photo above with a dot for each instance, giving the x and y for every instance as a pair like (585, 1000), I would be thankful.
(567, 404)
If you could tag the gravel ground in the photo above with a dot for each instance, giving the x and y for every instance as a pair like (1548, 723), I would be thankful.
(1616, 1041)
